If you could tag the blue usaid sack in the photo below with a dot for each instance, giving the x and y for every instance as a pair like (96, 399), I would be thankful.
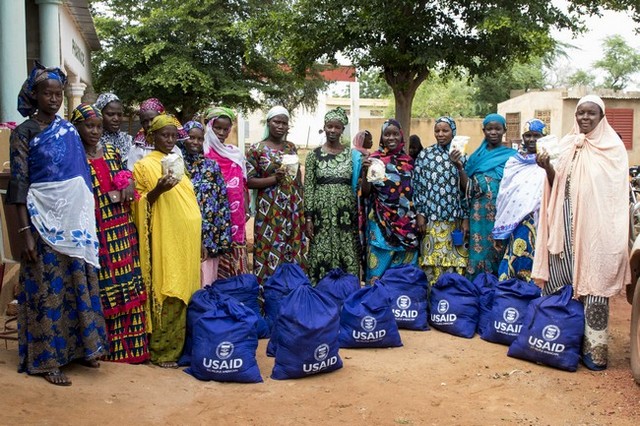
(486, 284)
(552, 331)
(286, 278)
(408, 286)
(307, 335)
(367, 320)
(338, 285)
(454, 305)
(510, 302)
(225, 341)
(201, 301)
(246, 290)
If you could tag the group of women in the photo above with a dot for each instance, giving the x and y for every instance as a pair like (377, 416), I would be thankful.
(119, 232)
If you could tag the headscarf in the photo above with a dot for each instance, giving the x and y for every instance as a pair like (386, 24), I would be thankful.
(220, 111)
(535, 125)
(337, 114)
(276, 110)
(152, 104)
(494, 117)
(597, 163)
(393, 200)
(358, 142)
(161, 121)
(233, 153)
(104, 99)
(489, 161)
(83, 112)
(192, 125)
(450, 121)
(27, 102)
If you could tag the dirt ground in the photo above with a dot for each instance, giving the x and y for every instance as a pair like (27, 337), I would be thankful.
(434, 379)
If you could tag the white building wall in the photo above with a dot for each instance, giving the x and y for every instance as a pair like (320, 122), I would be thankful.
(76, 56)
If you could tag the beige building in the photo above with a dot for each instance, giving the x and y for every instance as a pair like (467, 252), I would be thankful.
(557, 107)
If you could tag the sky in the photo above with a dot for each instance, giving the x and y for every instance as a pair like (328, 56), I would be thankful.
(589, 45)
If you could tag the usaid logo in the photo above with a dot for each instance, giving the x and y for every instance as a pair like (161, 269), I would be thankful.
(443, 306)
(368, 323)
(404, 302)
(551, 333)
(224, 350)
(510, 315)
(321, 352)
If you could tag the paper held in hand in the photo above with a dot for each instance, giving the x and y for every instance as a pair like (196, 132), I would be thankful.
(459, 143)
(550, 145)
(173, 164)
(376, 171)
(291, 162)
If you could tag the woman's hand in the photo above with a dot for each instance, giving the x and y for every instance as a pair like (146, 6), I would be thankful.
(543, 160)
(366, 163)
(465, 226)
(280, 174)
(204, 254)
(456, 158)
(129, 192)
(166, 182)
(29, 251)
(498, 245)
(308, 228)
(422, 224)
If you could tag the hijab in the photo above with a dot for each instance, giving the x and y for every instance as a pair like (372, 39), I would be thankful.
(27, 102)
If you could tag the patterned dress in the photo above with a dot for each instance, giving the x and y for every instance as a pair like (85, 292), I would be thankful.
(122, 290)
(121, 141)
(437, 196)
(59, 314)
(483, 257)
(211, 193)
(330, 201)
(279, 221)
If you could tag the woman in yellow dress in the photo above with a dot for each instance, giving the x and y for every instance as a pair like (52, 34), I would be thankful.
(169, 225)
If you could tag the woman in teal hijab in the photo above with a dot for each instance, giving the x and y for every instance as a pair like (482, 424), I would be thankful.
(481, 180)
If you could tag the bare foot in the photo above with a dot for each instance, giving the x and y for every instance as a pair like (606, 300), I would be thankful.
(56, 377)
(167, 364)
(91, 363)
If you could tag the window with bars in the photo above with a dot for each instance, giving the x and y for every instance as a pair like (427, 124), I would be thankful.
(621, 119)
(513, 127)
(544, 115)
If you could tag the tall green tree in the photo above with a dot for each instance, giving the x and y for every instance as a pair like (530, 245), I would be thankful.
(372, 85)
(191, 53)
(409, 40)
(440, 96)
(582, 78)
(620, 62)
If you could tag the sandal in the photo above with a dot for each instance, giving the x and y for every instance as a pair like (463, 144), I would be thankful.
(168, 364)
(56, 377)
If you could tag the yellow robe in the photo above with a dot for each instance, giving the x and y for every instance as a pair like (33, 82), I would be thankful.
(170, 234)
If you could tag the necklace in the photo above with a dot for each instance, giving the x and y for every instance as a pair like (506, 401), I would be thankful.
(40, 121)
(92, 153)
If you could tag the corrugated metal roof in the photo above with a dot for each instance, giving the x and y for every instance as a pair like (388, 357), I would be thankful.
(79, 10)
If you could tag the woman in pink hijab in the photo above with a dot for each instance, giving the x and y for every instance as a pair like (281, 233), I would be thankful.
(232, 164)
(584, 216)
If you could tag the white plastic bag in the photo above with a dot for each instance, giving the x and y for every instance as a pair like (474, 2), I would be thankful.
(376, 171)
(173, 164)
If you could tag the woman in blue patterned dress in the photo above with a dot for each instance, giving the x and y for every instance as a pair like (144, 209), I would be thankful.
(440, 204)
(59, 313)
(518, 204)
(211, 192)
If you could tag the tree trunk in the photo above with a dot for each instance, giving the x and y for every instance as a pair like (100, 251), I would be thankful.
(404, 85)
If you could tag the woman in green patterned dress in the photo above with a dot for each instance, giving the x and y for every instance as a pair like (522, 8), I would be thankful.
(330, 204)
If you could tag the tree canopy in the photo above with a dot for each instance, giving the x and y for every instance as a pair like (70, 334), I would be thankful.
(620, 62)
(191, 53)
(409, 40)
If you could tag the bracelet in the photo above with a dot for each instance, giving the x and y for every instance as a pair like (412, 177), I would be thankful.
(21, 230)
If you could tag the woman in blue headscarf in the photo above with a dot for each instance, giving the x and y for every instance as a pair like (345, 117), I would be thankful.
(481, 181)
(59, 313)
(518, 204)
